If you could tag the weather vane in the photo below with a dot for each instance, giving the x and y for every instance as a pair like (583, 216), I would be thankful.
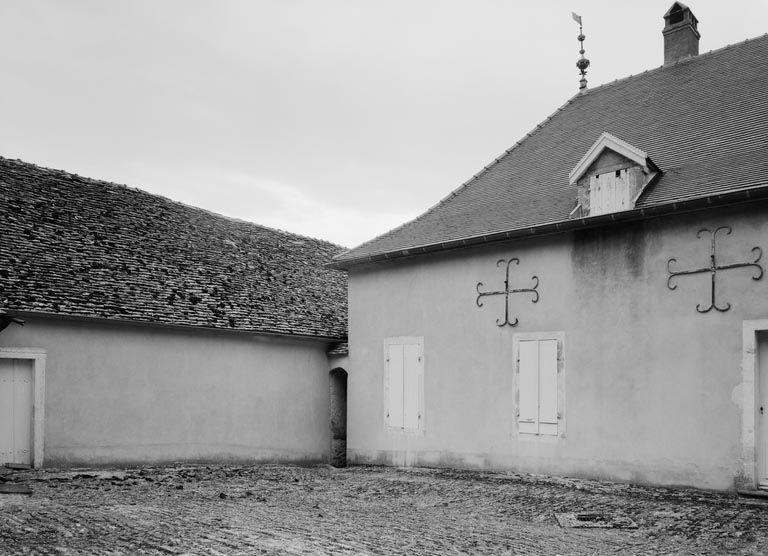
(583, 62)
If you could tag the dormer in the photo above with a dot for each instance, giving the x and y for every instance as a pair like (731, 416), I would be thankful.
(610, 177)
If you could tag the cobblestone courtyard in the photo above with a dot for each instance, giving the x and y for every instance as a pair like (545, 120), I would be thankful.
(280, 509)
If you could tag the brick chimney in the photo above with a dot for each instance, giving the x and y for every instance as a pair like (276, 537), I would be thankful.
(681, 38)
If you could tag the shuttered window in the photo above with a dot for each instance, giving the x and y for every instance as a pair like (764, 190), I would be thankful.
(403, 384)
(610, 192)
(539, 394)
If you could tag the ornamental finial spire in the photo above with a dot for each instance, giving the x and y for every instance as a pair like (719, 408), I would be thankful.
(582, 63)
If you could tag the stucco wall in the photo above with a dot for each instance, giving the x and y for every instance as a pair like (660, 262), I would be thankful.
(652, 387)
(120, 393)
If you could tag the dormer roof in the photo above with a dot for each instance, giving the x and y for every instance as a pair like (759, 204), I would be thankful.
(608, 141)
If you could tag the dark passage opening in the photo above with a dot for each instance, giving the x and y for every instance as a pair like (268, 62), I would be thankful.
(338, 417)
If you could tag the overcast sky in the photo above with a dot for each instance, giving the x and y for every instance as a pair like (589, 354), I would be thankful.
(338, 119)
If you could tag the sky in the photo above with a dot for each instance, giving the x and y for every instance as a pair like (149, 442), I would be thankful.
(336, 119)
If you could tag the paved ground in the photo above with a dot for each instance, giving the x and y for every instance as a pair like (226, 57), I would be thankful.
(278, 509)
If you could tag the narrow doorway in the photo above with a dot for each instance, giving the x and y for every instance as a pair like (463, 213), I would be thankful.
(762, 410)
(338, 417)
(16, 407)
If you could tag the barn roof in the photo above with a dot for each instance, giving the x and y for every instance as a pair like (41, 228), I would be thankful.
(703, 120)
(79, 247)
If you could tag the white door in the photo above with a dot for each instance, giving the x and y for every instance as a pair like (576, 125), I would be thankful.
(16, 411)
(762, 410)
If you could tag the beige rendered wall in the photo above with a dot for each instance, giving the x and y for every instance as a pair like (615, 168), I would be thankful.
(137, 394)
(652, 388)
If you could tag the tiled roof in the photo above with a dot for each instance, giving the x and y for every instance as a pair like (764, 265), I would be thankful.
(81, 247)
(702, 120)
(338, 350)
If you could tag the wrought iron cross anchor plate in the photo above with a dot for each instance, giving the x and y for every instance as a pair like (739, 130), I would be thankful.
(714, 268)
(506, 291)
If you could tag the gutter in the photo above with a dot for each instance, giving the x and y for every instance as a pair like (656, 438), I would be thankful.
(740, 196)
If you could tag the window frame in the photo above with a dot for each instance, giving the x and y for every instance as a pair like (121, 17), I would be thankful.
(404, 340)
(559, 336)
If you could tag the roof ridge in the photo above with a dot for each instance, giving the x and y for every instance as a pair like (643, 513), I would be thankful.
(469, 181)
(108, 183)
(681, 61)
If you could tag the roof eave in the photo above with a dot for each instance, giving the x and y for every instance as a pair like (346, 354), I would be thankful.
(561, 226)
(174, 326)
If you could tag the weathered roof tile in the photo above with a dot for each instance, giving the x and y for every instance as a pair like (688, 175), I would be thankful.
(81, 247)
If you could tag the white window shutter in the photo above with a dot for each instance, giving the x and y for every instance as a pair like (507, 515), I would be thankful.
(610, 193)
(411, 384)
(548, 387)
(528, 367)
(395, 385)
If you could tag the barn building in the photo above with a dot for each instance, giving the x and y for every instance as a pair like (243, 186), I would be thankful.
(157, 332)
(593, 302)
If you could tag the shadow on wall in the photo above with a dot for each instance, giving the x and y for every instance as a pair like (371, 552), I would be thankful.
(338, 380)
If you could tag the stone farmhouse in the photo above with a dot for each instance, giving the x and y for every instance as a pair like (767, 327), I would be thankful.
(593, 302)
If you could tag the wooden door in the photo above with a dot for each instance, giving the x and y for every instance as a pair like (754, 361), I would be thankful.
(16, 402)
(762, 410)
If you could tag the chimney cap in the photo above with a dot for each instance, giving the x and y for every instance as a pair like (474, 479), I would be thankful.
(677, 6)
(677, 13)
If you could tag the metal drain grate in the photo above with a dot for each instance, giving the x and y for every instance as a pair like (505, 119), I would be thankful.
(595, 520)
